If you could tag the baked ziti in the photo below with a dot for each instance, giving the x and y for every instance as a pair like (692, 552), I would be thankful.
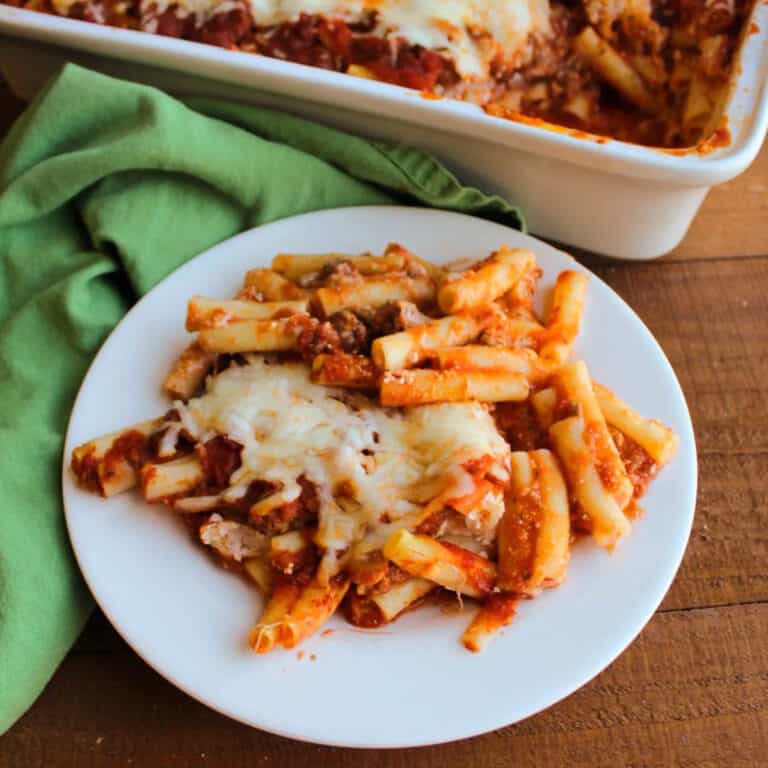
(366, 431)
(649, 71)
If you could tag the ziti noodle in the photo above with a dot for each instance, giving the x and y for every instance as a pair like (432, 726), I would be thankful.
(364, 432)
(654, 72)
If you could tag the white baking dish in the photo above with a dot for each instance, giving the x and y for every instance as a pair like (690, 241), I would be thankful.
(614, 198)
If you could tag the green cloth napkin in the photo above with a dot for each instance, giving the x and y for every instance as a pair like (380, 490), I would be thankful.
(105, 187)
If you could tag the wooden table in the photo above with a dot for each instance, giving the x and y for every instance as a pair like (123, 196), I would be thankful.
(692, 690)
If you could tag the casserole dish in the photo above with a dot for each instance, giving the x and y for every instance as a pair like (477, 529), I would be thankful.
(569, 183)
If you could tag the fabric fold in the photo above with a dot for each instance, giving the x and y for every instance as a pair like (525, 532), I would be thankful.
(106, 187)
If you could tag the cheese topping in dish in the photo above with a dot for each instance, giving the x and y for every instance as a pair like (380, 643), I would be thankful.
(374, 468)
(471, 33)
(653, 72)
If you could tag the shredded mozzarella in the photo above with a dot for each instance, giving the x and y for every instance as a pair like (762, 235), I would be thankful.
(374, 468)
(472, 33)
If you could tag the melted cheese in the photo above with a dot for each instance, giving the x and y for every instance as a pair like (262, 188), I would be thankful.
(452, 26)
(375, 469)
(469, 32)
(472, 33)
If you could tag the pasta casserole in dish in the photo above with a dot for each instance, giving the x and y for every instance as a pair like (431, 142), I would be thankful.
(648, 71)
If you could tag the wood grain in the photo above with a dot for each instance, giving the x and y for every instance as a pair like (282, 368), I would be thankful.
(692, 691)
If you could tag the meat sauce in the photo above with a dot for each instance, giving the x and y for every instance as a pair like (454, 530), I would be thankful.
(363, 612)
(541, 89)
(131, 447)
(355, 370)
(520, 427)
(335, 45)
(600, 447)
(295, 514)
(519, 538)
(640, 467)
(86, 469)
(219, 457)
(317, 338)
(518, 423)
(475, 567)
(301, 568)
(499, 610)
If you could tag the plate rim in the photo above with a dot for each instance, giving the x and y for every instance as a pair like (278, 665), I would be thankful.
(627, 633)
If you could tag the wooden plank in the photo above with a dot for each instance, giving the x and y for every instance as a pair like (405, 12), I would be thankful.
(691, 691)
(711, 318)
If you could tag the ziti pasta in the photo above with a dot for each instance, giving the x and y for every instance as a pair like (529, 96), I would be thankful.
(653, 72)
(363, 432)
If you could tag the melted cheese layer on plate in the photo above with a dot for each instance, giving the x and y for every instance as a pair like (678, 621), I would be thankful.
(375, 469)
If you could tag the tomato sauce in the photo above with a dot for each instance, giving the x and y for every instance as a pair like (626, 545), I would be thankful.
(520, 427)
(552, 66)
(131, 447)
(86, 469)
(518, 534)
(478, 570)
(220, 457)
(640, 467)
(362, 612)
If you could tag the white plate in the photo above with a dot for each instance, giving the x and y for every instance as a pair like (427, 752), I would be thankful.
(412, 683)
